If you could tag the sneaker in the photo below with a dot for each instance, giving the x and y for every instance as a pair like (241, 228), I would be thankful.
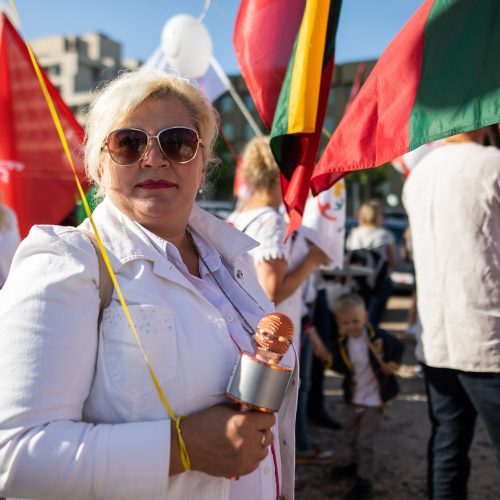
(315, 456)
(362, 489)
(348, 470)
(322, 419)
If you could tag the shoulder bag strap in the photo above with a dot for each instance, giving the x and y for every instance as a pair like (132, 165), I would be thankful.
(244, 230)
(105, 283)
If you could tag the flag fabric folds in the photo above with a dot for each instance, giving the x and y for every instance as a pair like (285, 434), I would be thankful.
(35, 177)
(285, 49)
(439, 76)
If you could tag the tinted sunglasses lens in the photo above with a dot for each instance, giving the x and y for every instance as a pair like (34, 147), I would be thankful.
(126, 146)
(179, 144)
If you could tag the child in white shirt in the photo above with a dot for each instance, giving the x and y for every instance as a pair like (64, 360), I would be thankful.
(367, 357)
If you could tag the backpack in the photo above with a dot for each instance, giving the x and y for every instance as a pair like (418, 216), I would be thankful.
(375, 262)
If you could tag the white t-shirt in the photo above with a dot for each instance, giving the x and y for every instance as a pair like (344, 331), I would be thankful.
(9, 241)
(366, 390)
(268, 227)
(371, 238)
(453, 202)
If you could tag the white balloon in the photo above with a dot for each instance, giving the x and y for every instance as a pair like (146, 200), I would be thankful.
(187, 45)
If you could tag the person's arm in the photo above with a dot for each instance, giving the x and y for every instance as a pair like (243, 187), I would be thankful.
(48, 312)
(393, 350)
(319, 348)
(278, 282)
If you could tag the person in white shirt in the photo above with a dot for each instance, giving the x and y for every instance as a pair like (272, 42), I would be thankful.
(282, 265)
(452, 198)
(9, 239)
(371, 236)
(80, 416)
(367, 357)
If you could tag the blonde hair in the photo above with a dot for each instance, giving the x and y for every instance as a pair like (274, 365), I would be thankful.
(348, 302)
(370, 213)
(121, 97)
(259, 166)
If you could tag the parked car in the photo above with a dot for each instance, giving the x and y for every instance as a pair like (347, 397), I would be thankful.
(220, 209)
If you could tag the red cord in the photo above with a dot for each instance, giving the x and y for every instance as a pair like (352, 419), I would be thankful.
(276, 474)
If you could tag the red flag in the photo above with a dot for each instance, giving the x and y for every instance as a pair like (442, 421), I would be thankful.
(438, 77)
(35, 176)
(285, 50)
(263, 38)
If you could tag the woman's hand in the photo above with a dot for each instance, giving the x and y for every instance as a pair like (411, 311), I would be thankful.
(318, 346)
(222, 441)
(386, 369)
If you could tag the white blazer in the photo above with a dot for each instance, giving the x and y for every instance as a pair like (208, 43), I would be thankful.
(79, 415)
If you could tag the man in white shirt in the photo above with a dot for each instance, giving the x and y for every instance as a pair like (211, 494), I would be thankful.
(453, 201)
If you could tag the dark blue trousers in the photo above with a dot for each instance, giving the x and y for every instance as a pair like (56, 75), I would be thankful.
(377, 303)
(324, 324)
(455, 399)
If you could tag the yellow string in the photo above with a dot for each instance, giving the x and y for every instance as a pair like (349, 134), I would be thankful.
(186, 462)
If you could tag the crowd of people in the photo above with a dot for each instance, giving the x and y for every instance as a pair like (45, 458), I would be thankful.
(102, 399)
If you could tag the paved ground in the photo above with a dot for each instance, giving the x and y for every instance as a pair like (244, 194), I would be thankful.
(401, 469)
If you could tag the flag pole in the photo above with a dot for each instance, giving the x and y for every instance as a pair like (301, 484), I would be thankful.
(237, 99)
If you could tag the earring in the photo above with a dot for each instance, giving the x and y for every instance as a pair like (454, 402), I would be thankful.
(200, 190)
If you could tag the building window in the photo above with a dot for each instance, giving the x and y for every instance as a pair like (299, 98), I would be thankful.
(247, 99)
(229, 131)
(226, 104)
(248, 132)
(331, 96)
(329, 124)
(53, 70)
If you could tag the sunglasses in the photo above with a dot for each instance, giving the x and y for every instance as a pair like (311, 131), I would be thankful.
(127, 146)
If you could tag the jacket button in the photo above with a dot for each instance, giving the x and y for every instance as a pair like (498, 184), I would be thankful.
(239, 274)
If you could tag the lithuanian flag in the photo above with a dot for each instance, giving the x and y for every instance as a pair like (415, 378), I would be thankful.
(439, 76)
(285, 49)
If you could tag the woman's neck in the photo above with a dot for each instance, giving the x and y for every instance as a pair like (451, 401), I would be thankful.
(472, 136)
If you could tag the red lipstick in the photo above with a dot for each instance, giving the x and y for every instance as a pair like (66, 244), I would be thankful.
(155, 184)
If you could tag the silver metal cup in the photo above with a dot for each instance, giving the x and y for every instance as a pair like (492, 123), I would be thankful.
(260, 385)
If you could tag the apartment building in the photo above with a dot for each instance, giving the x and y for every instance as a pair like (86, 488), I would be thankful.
(76, 64)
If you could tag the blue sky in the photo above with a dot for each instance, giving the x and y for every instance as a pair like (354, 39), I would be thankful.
(365, 28)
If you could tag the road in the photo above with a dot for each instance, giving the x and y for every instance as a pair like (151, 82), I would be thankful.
(402, 442)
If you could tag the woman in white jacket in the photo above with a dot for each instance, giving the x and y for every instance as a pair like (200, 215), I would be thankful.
(79, 414)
